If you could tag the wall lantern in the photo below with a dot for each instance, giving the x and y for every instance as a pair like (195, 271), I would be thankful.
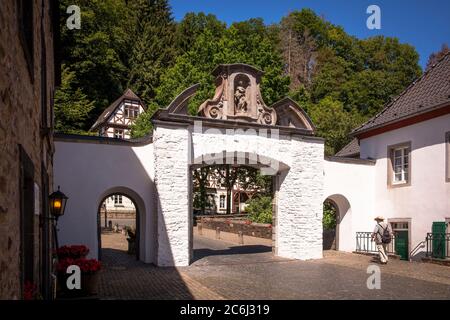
(57, 203)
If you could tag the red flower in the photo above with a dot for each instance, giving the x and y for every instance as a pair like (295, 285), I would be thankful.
(87, 266)
(74, 252)
(29, 291)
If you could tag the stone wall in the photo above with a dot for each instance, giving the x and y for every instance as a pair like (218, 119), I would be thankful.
(297, 227)
(299, 202)
(258, 230)
(172, 180)
(20, 114)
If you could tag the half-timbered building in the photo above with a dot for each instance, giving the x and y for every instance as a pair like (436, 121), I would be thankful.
(116, 120)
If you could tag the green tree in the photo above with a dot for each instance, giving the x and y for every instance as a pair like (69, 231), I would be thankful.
(333, 123)
(329, 221)
(97, 53)
(193, 25)
(143, 126)
(153, 49)
(260, 209)
(72, 106)
(200, 187)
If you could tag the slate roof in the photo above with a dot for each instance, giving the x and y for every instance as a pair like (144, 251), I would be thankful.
(430, 91)
(350, 150)
(103, 118)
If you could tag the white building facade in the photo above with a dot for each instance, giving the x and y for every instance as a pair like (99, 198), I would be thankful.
(406, 175)
(397, 166)
(234, 127)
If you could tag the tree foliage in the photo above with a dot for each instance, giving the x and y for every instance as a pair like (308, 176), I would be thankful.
(73, 107)
(436, 56)
(329, 220)
(260, 209)
(338, 79)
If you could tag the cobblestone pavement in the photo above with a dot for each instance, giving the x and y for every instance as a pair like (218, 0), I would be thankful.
(223, 270)
(337, 276)
(123, 277)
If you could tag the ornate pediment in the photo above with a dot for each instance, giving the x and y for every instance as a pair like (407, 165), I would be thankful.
(238, 96)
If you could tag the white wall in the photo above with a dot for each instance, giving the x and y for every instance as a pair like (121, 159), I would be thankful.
(428, 197)
(299, 163)
(351, 186)
(87, 173)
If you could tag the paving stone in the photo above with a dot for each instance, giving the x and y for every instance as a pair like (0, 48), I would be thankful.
(227, 271)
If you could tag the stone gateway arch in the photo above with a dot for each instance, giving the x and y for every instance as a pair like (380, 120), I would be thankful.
(233, 127)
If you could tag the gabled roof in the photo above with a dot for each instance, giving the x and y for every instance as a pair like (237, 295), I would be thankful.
(350, 150)
(429, 92)
(127, 95)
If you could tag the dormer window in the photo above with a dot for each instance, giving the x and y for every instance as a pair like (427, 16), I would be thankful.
(131, 112)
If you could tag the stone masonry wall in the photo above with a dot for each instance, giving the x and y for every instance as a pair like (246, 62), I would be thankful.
(20, 114)
(298, 225)
(172, 179)
(259, 230)
(299, 212)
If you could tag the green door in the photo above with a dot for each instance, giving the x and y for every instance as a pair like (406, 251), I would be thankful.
(401, 244)
(438, 230)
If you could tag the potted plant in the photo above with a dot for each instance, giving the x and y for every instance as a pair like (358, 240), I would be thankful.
(131, 238)
(73, 252)
(89, 275)
(76, 255)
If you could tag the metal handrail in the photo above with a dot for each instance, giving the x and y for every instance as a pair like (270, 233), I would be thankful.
(413, 251)
(364, 243)
(436, 242)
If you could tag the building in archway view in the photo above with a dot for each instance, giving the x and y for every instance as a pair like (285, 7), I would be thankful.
(398, 166)
(118, 210)
(29, 74)
(116, 121)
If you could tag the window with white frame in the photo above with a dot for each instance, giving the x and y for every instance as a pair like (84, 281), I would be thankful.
(131, 111)
(399, 169)
(118, 133)
(447, 157)
(400, 165)
(222, 202)
(117, 199)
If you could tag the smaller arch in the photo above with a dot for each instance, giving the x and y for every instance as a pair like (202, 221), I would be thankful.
(140, 216)
(343, 221)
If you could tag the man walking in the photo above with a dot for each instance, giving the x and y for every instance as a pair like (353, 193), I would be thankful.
(382, 235)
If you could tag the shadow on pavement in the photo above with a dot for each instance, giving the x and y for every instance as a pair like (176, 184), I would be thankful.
(235, 250)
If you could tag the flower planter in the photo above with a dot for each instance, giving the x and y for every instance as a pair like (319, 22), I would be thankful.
(89, 283)
(89, 273)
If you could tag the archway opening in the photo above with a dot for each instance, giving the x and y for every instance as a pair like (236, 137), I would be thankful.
(118, 227)
(330, 223)
(233, 213)
(337, 229)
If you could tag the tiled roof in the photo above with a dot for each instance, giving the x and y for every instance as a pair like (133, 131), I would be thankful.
(128, 95)
(350, 150)
(430, 91)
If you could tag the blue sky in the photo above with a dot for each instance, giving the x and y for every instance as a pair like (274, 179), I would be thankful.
(423, 23)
